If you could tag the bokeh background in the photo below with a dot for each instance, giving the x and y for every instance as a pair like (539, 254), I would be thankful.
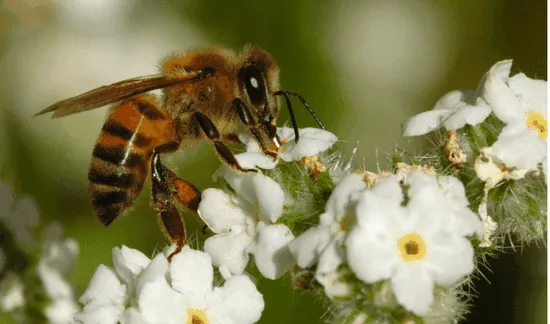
(365, 65)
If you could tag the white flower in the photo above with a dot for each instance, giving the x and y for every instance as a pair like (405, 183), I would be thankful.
(56, 263)
(454, 110)
(109, 291)
(520, 102)
(415, 245)
(323, 244)
(312, 141)
(55, 266)
(18, 215)
(188, 296)
(333, 284)
(246, 223)
(12, 293)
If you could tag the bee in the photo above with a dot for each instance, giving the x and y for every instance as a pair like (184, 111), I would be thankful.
(209, 93)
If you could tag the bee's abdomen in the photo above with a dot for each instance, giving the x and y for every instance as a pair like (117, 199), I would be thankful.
(121, 157)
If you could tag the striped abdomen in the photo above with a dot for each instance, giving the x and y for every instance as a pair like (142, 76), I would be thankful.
(121, 156)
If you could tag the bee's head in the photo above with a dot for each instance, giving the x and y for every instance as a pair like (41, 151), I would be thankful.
(258, 81)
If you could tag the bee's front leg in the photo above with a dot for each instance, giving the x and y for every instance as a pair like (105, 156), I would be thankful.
(265, 134)
(224, 153)
(167, 188)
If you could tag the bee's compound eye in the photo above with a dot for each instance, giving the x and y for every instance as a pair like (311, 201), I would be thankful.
(254, 85)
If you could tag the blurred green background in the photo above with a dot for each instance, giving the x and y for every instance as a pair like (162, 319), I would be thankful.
(365, 66)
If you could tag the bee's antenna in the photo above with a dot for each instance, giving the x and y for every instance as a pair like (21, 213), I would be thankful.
(304, 102)
(291, 113)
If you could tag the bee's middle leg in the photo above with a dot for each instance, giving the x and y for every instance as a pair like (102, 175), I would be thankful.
(167, 188)
(223, 151)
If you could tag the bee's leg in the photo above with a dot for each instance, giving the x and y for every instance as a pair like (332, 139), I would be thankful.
(166, 187)
(266, 136)
(233, 138)
(223, 151)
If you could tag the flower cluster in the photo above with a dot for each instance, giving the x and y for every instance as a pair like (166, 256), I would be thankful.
(140, 290)
(411, 228)
(497, 135)
(245, 218)
(34, 275)
(517, 101)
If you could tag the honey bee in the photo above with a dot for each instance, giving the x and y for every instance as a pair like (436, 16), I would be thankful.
(208, 93)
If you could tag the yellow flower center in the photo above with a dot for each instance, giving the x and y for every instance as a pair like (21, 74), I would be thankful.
(412, 247)
(196, 316)
(536, 122)
(346, 222)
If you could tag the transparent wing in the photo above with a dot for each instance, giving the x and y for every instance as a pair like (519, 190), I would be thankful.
(115, 92)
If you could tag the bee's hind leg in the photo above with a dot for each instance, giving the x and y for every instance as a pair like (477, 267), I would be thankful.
(167, 188)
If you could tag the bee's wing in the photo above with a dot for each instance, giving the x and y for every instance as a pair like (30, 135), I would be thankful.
(115, 92)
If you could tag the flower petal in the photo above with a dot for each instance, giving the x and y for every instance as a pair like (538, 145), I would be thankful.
(252, 160)
(271, 254)
(505, 104)
(371, 252)
(129, 262)
(453, 189)
(450, 258)
(191, 272)
(242, 184)
(99, 314)
(452, 100)
(229, 249)
(331, 257)
(306, 247)
(531, 92)
(334, 287)
(237, 301)
(424, 122)
(413, 289)
(467, 223)
(312, 141)
(61, 311)
(13, 292)
(58, 252)
(519, 148)
(467, 114)
(219, 211)
(251, 143)
(156, 268)
(381, 200)
(160, 304)
(104, 288)
(55, 284)
(270, 197)
(341, 195)
(132, 316)
(428, 209)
